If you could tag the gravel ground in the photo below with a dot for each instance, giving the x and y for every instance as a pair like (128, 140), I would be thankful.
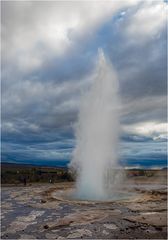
(35, 212)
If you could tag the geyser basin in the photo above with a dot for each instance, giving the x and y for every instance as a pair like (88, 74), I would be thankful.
(71, 195)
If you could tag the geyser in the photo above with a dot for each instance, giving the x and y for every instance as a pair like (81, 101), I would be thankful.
(97, 133)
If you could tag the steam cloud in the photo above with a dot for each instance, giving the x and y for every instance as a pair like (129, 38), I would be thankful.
(97, 133)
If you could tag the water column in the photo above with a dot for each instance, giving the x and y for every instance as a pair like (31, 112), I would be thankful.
(97, 133)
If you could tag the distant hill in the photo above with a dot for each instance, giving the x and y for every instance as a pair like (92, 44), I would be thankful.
(12, 173)
(57, 163)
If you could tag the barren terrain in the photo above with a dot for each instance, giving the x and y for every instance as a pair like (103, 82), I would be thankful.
(36, 212)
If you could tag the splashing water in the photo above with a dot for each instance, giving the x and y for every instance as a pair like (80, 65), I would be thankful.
(97, 133)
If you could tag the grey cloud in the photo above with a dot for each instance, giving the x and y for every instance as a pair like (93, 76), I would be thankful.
(40, 105)
(150, 108)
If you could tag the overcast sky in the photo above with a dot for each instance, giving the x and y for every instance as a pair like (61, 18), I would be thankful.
(49, 51)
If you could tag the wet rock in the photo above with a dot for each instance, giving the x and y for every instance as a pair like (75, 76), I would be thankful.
(149, 231)
(68, 217)
(25, 236)
(105, 232)
(16, 194)
(56, 230)
(151, 218)
(6, 205)
(110, 226)
(80, 233)
(82, 218)
(19, 226)
(47, 205)
(133, 226)
(51, 236)
(23, 222)
(23, 198)
(31, 217)
(148, 206)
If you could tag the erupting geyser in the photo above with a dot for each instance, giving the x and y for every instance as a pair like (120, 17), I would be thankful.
(97, 133)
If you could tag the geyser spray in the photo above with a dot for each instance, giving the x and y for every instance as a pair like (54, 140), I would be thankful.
(97, 133)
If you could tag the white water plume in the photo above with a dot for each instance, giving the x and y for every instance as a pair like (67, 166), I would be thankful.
(97, 133)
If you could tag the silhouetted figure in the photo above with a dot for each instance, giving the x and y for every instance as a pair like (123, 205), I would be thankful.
(24, 181)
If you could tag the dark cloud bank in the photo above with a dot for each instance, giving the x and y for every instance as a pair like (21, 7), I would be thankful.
(46, 67)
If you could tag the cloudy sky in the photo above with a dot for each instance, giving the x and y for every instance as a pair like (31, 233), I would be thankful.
(49, 50)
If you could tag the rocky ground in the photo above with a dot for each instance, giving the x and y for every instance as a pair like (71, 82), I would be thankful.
(36, 212)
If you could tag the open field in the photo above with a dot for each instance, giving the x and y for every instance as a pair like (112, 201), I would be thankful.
(38, 211)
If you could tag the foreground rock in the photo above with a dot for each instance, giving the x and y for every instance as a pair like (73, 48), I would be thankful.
(33, 213)
(157, 219)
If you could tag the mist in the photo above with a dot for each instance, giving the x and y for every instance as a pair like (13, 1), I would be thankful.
(97, 134)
